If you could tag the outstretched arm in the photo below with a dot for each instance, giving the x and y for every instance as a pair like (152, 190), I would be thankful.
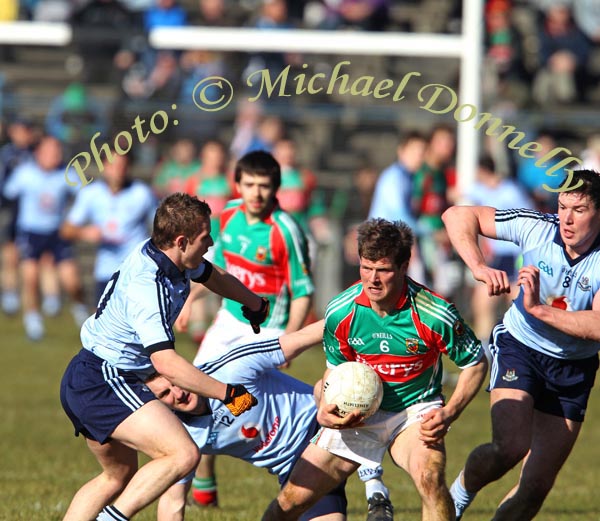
(464, 224)
(228, 286)
(293, 344)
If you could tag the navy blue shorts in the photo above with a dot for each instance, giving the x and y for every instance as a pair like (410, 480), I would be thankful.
(34, 245)
(558, 387)
(332, 503)
(97, 397)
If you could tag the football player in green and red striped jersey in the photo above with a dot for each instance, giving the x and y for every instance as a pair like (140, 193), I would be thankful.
(401, 329)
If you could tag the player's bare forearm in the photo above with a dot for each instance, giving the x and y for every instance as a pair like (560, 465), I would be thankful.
(228, 286)
(468, 385)
(181, 373)
(464, 224)
(171, 505)
(293, 344)
(580, 324)
(299, 309)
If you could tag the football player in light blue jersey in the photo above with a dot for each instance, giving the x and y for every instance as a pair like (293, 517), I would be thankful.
(115, 213)
(42, 194)
(545, 350)
(271, 435)
(130, 337)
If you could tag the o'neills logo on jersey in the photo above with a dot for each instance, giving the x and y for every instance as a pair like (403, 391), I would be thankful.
(247, 277)
(267, 441)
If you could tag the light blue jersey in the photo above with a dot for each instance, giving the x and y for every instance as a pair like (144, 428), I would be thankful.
(564, 283)
(43, 197)
(124, 218)
(137, 309)
(391, 199)
(271, 435)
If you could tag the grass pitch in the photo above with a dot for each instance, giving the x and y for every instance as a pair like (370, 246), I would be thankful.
(42, 464)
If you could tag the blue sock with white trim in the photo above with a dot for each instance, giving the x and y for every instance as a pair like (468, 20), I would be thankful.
(111, 513)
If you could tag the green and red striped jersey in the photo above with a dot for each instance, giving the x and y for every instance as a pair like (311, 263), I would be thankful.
(270, 257)
(404, 347)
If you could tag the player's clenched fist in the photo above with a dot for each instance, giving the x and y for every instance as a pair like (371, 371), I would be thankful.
(238, 399)
(256, 318)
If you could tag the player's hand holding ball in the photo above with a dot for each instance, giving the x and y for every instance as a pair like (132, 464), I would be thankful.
(256, 318)
(238, 399)
(352, 392)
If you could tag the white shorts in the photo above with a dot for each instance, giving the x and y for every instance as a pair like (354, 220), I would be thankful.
(367, 444)
(227, 331)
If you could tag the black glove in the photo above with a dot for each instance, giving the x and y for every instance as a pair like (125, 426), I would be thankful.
(238, 399)
(256, 318)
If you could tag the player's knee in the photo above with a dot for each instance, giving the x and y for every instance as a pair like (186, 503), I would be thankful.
(508, 453)
(186, 459)
(115, 482)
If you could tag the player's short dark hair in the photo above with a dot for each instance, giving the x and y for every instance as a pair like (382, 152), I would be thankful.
(178, 214)
(379, 239)
(590, 185)
(259, 163)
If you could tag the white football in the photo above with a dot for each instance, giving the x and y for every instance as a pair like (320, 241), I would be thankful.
(352, 386)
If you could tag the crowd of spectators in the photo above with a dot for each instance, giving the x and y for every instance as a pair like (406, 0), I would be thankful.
(111, 42)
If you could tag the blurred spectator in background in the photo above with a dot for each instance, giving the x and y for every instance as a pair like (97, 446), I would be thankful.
(164, 13)
(174, 170)
(504, 72)
(532, 177)
(216, 13)
(257, 133)
(248, 115)
(591, 155)
(211, 185)
(18, 150)
(563, 57)
(195, 66)
(74, 117)
(366, 15)
(102, 30)
(156, 80)
(300, 196)
(43, 196)
(351, 207)
(429, 200)
(491, 188)
(114, 213)
(393, 192)
(273, 14)
(210, 182)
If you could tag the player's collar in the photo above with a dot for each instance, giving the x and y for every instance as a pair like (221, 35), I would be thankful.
(363, 300)
(163, 262)
(572, 262)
